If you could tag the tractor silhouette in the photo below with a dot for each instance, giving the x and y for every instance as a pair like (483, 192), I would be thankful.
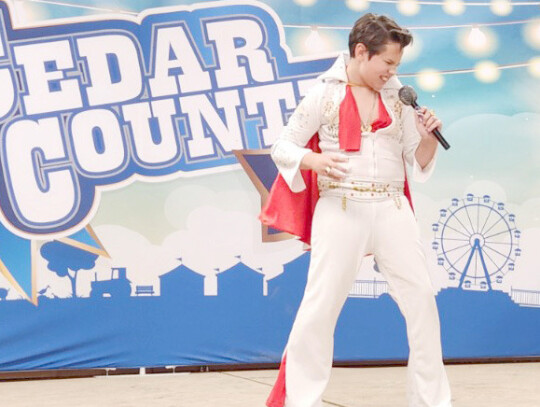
(119, 286)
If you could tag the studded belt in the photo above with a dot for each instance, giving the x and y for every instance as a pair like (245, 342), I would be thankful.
(361, 191)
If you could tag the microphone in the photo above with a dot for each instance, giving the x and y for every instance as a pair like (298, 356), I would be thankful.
(408, 97)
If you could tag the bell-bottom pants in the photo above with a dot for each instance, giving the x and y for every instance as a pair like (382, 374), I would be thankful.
(340, 240)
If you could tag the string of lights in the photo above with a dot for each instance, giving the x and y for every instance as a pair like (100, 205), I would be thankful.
(80, 6)
(478, 42)
(484, 71)
(452, 7)
(442, 3)
(470, 70)
(333, 27)
(423, 27)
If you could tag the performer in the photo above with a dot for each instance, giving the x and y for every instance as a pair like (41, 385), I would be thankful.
(365, 135)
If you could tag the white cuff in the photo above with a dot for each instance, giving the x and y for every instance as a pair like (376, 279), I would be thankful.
(288, 158)
(293, 176)
(420, 174)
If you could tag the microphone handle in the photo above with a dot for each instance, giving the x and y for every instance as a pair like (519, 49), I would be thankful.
(436, 132)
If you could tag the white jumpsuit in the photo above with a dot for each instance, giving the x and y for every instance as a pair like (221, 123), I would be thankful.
(342, 237)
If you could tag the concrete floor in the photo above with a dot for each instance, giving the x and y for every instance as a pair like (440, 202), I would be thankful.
(491, 385)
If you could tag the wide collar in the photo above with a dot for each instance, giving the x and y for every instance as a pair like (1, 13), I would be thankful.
(338, 73)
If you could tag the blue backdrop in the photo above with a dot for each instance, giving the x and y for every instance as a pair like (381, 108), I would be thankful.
(134, 165)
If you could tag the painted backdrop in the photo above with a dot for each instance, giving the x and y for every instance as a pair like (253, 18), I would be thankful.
(134, 164)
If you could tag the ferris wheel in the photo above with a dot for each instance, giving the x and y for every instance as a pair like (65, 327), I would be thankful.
(476, 241)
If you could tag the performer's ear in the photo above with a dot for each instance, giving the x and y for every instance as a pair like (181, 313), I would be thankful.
(360, 50)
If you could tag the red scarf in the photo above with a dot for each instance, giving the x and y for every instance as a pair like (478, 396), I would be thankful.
(293, 212)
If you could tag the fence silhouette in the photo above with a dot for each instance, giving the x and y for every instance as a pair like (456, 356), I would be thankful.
(368, 289)
(525, 297)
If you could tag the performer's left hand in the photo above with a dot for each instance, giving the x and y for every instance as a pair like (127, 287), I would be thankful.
(426, 122)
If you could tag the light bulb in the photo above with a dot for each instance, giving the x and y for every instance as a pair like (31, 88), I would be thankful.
(477, 42)
(430, 80)
(313, 41)
(454, 7)
(534, 67)
(531, 34)
(305, 3)
(487, 71)
(412, 51)
(408, 7)
(357, 5)
(501, 7)
(477, 39)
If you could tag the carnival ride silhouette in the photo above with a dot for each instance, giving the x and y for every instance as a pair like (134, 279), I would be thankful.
(477, 242)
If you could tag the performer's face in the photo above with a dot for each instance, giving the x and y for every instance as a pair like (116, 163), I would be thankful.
(375, 71)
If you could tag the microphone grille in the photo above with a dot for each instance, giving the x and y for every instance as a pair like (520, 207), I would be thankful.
(407, 95)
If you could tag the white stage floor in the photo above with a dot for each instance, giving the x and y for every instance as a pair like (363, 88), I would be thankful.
(487, 385)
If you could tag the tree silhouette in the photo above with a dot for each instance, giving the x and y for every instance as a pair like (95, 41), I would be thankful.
(67, 261)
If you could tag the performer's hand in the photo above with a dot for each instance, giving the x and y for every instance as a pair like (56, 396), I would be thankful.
(332, 165)
(426, 122)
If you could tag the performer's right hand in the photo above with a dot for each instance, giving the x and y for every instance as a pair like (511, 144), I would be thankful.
(332, 165)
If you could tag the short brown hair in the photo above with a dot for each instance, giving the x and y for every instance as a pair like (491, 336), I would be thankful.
(375, 31)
